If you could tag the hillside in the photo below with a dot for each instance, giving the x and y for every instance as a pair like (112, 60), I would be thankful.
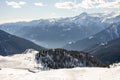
(10, 44)
(108, 53)
(101, 38)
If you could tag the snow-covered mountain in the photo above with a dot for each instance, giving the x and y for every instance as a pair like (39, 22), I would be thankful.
(101, 38)
(10, 44)
(57, 32)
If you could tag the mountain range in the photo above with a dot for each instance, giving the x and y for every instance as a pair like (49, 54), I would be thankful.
(101, 38)
(54, 33)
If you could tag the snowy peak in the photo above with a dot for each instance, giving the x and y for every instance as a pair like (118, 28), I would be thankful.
(82, 15)
(53, 33)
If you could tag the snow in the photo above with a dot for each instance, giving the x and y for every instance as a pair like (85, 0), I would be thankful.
(20, 60)
(62, 74)
(52, 20)
(68, 29)
(103, 43)
(115, 65)
(91, 37)
(115, 30)
(70, 42)
(22, 67)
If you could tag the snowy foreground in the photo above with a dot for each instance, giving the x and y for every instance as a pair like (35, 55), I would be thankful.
(22, 67)
(62, 74)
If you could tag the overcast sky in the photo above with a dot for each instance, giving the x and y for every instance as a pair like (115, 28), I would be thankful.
(25, 10)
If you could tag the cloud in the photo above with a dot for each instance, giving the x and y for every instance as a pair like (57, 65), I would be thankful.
(16, 4)
(99, 4)
(39, 4)
(65, 5)
(88, 4)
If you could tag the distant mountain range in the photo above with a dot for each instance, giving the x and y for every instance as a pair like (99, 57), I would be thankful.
(54, 33)
(101, 38)
(10, 44)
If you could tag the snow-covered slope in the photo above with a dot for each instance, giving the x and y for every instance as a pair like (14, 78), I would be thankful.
(24, 60)
(57, 32)
(62, 74)
(23, 67)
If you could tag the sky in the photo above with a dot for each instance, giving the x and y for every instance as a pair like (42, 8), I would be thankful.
(26, 10)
